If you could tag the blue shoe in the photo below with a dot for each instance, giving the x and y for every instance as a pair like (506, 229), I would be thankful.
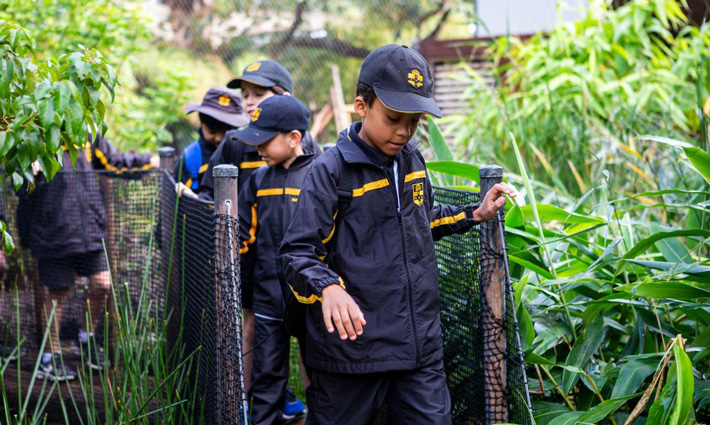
(293, 409)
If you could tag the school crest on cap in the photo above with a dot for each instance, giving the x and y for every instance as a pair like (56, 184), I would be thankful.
(418, 193)
(224, 100)
(415, 78)
(255, 115)
(253, 67)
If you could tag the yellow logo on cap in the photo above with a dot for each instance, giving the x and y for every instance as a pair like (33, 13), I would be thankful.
(418, 193)
(255, 115)
(415, 78)
(224, 100)
(253, 67)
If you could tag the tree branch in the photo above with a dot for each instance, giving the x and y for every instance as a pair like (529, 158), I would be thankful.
(280, 45)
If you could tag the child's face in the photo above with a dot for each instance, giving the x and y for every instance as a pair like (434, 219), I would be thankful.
(212, 137)
(384, 129)
(282, 149)
(253, 95)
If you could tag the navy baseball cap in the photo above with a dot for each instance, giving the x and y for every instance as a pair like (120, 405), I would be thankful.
(222, 104)
(277, 114)
(401, 79)
(266, 73)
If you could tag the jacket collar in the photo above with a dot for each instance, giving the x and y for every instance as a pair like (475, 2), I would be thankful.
(352, 153)
(300, 161)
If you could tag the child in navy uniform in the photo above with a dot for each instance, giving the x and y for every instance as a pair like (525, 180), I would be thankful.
(220, 111)
(376, 337)
(259, 81)
(267, 202)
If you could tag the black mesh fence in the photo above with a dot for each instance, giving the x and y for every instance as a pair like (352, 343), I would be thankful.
(482, 351)
(177, 258)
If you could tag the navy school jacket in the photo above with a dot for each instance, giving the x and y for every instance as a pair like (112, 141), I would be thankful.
(232, 151)
(267, 203)
(193, 162)
(384, 258)
(66, 216)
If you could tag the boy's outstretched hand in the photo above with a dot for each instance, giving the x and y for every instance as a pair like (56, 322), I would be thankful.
(493, 201)
(340, 309)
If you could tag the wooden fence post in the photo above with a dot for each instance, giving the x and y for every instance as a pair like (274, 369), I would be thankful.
(229, 354)
(493, 282)
(167, 158)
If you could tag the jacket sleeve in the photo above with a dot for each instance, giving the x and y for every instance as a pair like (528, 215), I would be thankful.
(448, 219)
(302, 251)
(248, 227)
(105, 156)
(224, 154)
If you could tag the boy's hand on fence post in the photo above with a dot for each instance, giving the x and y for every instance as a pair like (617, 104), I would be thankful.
(183, 190)
(493, 201)
(340, 309)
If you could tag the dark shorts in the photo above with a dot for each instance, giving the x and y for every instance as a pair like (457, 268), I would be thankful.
(61, 272)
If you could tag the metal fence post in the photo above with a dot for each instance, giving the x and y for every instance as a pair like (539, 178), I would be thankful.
(167, 158)
(493, 281)
(229, 353)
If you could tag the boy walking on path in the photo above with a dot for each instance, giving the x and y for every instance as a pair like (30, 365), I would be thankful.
(376, 337)
(267, 202)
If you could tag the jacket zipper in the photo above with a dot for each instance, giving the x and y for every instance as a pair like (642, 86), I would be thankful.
(406, 263)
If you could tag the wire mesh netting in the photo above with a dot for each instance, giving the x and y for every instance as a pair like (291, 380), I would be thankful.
(479, 344)
(171, 261)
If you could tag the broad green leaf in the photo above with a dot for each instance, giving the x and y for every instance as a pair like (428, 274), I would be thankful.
(644, 244)
(690, 269)
(659, 290)
(553, 213)
(583, 349)
(531, 265)
(438, 144)
(532, 358)
(701, 160)
(632, 375)
(671, 248)
(604, 409)
(455, 168)
(660, 411)
(546, 411)
(527, 330)
(684, 389)
(514, 217)
(567, 418)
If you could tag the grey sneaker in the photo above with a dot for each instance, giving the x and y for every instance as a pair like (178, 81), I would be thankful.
(54, 371)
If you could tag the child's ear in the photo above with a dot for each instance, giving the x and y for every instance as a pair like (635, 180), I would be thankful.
(360, 106)
(294, 138)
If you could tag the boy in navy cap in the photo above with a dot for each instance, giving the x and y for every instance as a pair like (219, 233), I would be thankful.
(267, 202)
(220, 111)
(259, 81)
(369, 259)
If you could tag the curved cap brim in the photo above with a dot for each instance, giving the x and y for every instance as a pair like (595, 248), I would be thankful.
(235, 120)
(254, 136)
(410, 103)
(254, 79)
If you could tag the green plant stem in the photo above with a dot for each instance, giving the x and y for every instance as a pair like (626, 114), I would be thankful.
(558, 388)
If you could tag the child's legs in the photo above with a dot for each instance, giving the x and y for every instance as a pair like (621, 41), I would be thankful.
(58, 275)
(345, 399)
(270, 373)
(247, 346)
(93, 264)
(419, 397)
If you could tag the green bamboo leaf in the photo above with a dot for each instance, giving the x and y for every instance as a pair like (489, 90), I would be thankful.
(455, 168)
(438, 144)
(701, 160)
(534, 266)
(644, 244)
(553, 213)
(659, 290)
(685, 385)
(604, 409)
(671, 248)
(546, 411)
(567, 418)
(690, 269)
(632, 375)
(532, 358)
(583, 349)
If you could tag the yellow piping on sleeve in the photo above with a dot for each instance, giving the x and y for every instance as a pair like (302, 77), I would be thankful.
(252, 232)
(203, 168)
(448, 220)
(313, 298)
(252, 164)
(269, 192)
(332, 232)
(415, 175)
